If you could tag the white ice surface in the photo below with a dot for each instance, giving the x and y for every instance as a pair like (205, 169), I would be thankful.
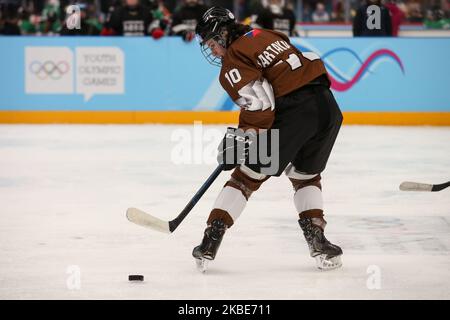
(64, 191)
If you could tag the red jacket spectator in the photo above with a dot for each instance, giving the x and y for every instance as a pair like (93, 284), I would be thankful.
(397, 17)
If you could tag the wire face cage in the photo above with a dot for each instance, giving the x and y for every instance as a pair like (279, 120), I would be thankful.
(207, 52)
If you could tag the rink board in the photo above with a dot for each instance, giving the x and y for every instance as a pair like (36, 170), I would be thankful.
(140, 80)
(207, 117)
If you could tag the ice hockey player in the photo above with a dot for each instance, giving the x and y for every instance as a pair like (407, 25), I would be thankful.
(279, 89)
(275, 16)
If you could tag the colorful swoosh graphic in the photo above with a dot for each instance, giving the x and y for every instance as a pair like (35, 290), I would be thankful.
(339, 82)
(345, 85)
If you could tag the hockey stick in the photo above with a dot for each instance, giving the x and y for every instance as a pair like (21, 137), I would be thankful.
(416, 186)
(146, 220)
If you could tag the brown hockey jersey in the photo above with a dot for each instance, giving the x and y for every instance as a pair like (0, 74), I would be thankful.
(261, 66)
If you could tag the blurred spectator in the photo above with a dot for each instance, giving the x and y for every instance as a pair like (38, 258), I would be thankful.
(185, 19)
(104, 7)
(50, 20)
(93, 17)
(37, 5)
(276, 16)
(397, 16)
(308, 9)
(249, 11)
(27, 27)
(161, 18)
(47, 17)
(88, 22)
(171, 4)
(435, 13)
(361, 28)
(414, 11)
(338, 13)
(113, 5)
(436, 18)
(9, 18)
(320, 14)
(402, 6)
(159, 10)
(131, 19)
(229, 4)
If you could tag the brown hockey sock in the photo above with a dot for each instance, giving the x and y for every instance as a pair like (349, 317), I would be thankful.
(221, 215)
(316, 216)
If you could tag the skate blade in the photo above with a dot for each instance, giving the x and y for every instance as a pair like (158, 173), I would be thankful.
(324, 263)
(202, 264)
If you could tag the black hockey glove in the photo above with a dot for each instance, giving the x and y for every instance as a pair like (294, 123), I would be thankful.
(234, 148)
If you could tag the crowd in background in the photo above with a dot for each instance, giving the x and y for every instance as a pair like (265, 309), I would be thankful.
(158, 18)
(413, 11)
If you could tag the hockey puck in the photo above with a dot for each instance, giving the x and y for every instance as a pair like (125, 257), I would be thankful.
(135, 277)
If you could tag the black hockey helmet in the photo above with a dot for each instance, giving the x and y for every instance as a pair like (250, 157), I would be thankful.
(215, 24)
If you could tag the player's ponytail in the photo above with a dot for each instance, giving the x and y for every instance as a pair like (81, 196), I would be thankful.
(235, 30)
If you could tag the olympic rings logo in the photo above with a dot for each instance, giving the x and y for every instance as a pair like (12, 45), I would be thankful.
(49, 69)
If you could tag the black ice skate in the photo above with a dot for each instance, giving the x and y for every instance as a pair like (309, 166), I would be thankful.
(327, 255)
(207, 250)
